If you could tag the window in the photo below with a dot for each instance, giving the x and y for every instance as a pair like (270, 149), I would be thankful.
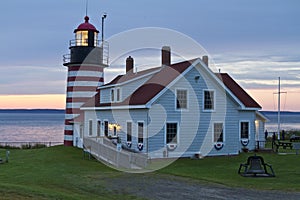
(209, 102)
(106, 128)
(112, 95)
(171, 133)
(98, 128)
(140, 132)
(244, 130)
(218, 132)
(129, 131)
(115, 131)
(181, 99)
(90, 127)
(81, 131)
(118, 94)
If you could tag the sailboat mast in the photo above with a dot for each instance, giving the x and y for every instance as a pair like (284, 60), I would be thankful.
(278, 120)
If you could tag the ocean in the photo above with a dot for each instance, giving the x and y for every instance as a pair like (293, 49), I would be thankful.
(289, 121)
(48, 125)
(32, 126)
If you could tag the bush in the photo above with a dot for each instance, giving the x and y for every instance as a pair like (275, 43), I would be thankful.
(35, 146)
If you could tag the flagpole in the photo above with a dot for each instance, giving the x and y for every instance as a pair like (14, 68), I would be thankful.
(278, 128)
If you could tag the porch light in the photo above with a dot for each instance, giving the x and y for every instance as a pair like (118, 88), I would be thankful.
(111, 126)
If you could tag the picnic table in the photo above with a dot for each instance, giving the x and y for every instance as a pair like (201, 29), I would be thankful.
(294, 138)
(282, 144)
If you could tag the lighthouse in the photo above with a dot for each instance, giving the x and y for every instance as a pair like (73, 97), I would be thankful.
(87, 58)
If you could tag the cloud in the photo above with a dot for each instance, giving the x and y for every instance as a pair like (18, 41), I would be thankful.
(258, 71)
(32, 80)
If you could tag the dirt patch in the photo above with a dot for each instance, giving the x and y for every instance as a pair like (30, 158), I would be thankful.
(155, 186)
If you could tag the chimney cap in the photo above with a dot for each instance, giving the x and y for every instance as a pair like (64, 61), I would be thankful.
(129, 57)
(166, 48)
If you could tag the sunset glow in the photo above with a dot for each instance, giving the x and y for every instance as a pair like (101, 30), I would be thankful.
(268, 100)
(43, 101)
(265, 97)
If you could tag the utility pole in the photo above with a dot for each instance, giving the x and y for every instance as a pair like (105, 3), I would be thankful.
(278, 115)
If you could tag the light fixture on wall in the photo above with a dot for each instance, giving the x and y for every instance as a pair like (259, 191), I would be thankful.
(111, 126)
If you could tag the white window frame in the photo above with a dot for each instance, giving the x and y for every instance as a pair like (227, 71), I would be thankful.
(137, 125)
(187, 100)
(213, 131)
(240, 129)
(129, 121)
(177, 134)
(214, 100)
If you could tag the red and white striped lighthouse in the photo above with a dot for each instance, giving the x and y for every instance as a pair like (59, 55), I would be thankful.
(85, 63)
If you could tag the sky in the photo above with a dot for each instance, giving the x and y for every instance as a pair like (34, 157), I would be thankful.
(255, 41)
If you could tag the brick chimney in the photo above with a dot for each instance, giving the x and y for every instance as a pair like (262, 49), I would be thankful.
(129, 64)
(166, 55)
(205, 60)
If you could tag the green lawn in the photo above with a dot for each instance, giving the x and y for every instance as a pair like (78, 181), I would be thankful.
(224, 169)
(62, 173)
(53, 173)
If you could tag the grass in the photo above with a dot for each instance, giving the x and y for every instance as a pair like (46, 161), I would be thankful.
(54, 173)
(62, 173)
(224, 169)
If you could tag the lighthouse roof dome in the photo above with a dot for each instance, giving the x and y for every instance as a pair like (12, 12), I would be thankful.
(86, 26)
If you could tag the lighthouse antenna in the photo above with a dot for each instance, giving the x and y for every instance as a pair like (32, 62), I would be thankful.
(86, 7)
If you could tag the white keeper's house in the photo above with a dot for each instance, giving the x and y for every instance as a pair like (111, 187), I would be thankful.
(172, 110)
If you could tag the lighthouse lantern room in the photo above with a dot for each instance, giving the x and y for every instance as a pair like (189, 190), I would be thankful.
(86, 61)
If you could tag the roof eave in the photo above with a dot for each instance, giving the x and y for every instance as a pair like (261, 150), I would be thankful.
(122, 107)
(264, 118)
(249, 108)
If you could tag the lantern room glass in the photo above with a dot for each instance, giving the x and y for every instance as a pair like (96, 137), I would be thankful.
(81, 38)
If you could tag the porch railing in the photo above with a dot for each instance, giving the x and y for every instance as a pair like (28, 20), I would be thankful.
(103, 149)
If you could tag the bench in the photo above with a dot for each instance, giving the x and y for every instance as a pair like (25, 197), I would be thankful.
(256, 167)
(296, 146)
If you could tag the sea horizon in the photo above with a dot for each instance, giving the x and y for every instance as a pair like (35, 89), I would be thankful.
(47, 125)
